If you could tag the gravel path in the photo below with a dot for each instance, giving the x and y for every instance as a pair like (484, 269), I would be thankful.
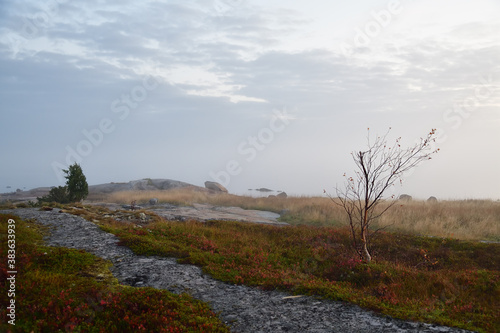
(245, 309)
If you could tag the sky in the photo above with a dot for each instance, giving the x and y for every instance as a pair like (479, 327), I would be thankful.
(251, 94)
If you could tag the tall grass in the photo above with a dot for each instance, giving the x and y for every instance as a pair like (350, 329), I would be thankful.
(464, 219)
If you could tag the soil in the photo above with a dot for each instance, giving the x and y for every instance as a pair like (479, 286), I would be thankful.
(244, 309)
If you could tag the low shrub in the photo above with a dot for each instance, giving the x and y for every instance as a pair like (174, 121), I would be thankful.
(440, 281)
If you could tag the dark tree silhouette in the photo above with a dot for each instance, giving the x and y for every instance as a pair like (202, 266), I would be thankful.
(76, 183)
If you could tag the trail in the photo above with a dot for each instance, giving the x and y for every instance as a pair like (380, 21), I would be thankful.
(244, 309)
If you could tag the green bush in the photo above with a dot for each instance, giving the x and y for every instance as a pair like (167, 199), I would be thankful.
(57, 194)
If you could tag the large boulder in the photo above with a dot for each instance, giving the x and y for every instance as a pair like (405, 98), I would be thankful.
(214, 186)
(153, 201)
(432, 200)
(282, 195)
(405, 197)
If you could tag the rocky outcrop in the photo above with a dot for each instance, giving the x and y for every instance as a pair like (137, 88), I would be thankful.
(264, 189)
(432, 200)
(146, 184)
(281, 195)
(96, 191)
(153, 201)
(214, 186)
(405, 197)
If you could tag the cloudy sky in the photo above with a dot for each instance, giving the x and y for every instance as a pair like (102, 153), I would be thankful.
(250, 93)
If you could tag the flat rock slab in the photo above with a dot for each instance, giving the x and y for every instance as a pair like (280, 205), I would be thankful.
(205, 212)
(244, 309)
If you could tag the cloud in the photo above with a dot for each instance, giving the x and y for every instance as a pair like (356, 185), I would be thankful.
(222, 67)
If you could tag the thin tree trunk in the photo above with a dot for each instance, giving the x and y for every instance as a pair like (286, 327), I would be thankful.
(368, 257)
(364, 231)
(364, 240)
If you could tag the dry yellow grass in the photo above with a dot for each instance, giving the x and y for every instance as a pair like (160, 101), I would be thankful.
(465, 219)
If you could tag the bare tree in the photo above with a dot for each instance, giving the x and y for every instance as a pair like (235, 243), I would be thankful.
(378, 168)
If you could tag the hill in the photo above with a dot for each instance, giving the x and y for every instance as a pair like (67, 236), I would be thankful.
(146, 184)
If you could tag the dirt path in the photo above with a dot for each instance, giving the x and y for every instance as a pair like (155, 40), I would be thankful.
(245, 309)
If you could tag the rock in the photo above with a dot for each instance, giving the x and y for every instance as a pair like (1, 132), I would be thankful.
(146, 184)
(153, 201)
(405, 197)
(131, 207)
(432, 199)
(214, 186)
(271, 196)
(282, 195)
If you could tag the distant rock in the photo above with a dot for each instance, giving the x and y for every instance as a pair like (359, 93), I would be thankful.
(146, 184)
(432, 199)
(263, 189)
(153, 201)
(214, 186)
(281, 195)
(405, 197)
(131, 207)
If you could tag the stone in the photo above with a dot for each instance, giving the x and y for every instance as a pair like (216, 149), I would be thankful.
(282, 195)
(153, 201)
(405, 197)
(432, 199)
(131, 207)
(214, 186)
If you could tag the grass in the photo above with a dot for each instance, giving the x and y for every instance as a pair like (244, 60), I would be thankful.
(66, 290)
(463, 219)
(442, 281)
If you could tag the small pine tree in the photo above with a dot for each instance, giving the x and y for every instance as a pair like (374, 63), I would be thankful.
(76, 183)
